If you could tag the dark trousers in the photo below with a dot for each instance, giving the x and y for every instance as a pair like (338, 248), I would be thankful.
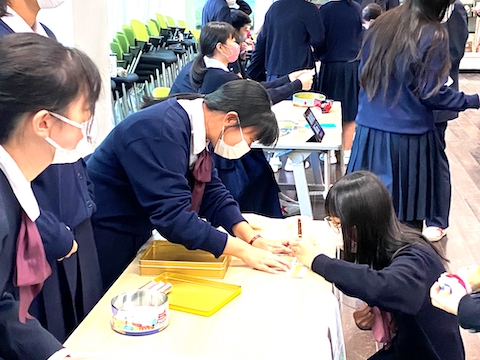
(443, 187)
(115, 252)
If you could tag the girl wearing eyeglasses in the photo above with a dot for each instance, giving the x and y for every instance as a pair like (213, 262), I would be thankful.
(387, 265)
(44, 105)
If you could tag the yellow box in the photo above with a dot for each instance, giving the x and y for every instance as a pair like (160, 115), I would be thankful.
(198, 296)
(162, 256)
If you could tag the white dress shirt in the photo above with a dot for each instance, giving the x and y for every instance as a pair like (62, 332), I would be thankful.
(20, 185)
(18, 25)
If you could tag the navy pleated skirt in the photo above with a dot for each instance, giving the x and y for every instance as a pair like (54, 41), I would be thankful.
(409, 166)
(339, 81)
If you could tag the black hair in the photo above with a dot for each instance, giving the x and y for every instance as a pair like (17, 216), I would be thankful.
(3, 8)
(247, 98)
(394, 47)
(40, 73)
(372, 234)
(212, 33)
(239, 19)
(371, 12)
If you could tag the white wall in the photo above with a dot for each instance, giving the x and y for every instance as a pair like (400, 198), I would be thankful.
(83, 24)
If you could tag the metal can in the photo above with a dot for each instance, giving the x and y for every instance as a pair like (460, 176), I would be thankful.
(139, 312)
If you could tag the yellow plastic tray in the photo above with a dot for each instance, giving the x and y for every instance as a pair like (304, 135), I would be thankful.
(198, 296)
(162, 256)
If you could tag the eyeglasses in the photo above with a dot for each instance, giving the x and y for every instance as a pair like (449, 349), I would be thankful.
(335, 226)
(86, 126)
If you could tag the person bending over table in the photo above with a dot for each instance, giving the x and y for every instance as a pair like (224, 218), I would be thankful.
(389, 266)
(154, 171)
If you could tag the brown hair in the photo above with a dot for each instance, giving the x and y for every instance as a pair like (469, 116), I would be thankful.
(393, 41)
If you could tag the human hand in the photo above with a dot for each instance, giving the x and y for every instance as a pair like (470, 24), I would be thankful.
(296, 74)
(274, 246)
(73, 250)
(446, 299)
(364, 318)
(305, 251)
(306, 80)
(264, 260)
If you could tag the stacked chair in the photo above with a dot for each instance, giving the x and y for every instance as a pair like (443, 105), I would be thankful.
(152, 53)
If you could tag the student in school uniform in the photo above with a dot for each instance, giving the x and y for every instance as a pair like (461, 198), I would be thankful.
(154, 170)
(221, 71)
(216, 10)
(290, 30)
(66, 207)
(250, 179)
(403, 68)
(387, 265)
(338, 53)
(42, 102)
(455, 22)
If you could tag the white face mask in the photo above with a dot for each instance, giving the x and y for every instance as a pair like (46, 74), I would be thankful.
(49, 4)
(65, 156)
(231, 152)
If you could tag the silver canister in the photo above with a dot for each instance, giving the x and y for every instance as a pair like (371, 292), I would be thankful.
(139, 312)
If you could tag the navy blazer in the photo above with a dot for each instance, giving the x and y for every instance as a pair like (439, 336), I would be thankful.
(402, 288)
(290, 29)
(182, 84)
(216, 10)
(29, 341)
(469, 312)
(457, 28)
(143, 181)
(278, 90)
(343, 31)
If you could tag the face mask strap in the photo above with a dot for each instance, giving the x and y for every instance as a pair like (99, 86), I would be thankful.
(68, 121)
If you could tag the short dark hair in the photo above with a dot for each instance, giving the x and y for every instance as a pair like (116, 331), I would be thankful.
(372, 234)
(239, 19)
(212, 33)
(40, 73)
(371, 12)
(247, 98)
(3, 8)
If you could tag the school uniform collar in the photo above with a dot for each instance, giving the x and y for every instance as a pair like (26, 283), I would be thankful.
(214, 63)
(21, 187)
(18, 25)
(194, 109)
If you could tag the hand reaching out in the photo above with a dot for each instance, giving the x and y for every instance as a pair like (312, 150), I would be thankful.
(305, 251)
(274, 246)
(264, 260)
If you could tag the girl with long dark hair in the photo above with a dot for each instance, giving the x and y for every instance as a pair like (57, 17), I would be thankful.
(387, 265)
(404, 66)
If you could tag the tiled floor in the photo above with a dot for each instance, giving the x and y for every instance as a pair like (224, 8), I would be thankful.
(462, 244)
